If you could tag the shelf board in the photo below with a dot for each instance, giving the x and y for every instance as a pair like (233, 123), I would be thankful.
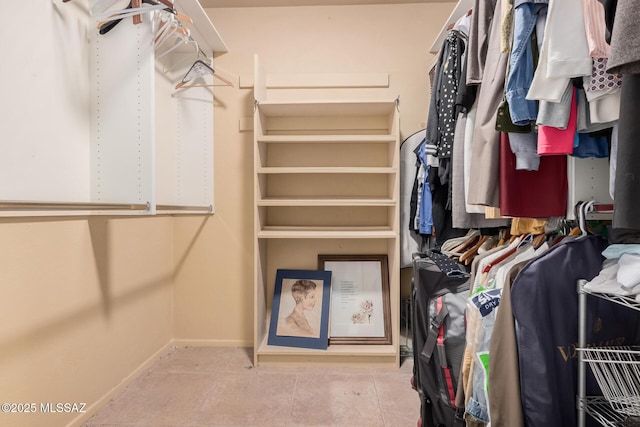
(318, 108)
(293, 139)
(325, 201)
(202, 30)
(351, 350)
(291, 232)
(378, 355)
(323, 170)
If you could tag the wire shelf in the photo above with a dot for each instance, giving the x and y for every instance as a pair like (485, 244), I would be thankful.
(627, 301)
(617, 371)
(600, 409)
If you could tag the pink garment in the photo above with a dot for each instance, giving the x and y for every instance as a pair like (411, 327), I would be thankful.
(554, 141)
(596, 28)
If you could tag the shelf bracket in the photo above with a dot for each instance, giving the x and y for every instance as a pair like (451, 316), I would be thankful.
(255, 105)
(397, 101)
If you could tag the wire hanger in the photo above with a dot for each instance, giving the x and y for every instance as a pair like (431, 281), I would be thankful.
(200, 69)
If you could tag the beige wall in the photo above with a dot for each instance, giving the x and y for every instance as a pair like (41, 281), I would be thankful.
(85, 302)
(214, 289)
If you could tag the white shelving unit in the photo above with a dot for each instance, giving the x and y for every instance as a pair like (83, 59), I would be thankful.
(588, 180)
(618, 370)
(326, 182)
(91, 124)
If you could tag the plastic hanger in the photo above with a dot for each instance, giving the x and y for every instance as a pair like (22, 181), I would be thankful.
(102, 9)
(165, 26)
(105, 26)
(199, 69)
(189, 58)
(167, 3)
(181, 40)
(582, 216)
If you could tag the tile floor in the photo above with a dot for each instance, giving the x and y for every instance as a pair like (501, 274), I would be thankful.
(218, 386)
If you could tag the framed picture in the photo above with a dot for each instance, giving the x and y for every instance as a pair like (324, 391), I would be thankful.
(300, 309)
(360, 299)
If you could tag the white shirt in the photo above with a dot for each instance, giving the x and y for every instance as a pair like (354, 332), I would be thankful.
(565, 51)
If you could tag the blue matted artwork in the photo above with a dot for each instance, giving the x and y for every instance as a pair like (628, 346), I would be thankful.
(300, 309)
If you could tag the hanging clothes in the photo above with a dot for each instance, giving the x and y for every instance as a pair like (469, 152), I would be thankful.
(555, 141)
(468, 153)
(625, 39)
(505, 403)
(460, 218)
(601, 80)
(479, 30)
(533, 194)
(627, 183)
(522, 63)
(562, 57)
(545, 308)
(596, 28)
(464, 392)
(422, 217)
(609, 16)
(613, 161)
(585, 124)
(441, 118)
(410, 241)
(485, 162)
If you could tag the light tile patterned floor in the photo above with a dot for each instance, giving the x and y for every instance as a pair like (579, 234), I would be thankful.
(218, 386)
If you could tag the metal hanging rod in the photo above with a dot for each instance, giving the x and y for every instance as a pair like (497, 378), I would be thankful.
(18, 205)
(184, 208)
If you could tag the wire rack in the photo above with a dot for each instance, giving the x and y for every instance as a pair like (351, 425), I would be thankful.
(627, 301)
(617, 371)
(600, 409)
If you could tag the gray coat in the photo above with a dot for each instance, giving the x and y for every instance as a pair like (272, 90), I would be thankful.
(484, 188)
(625, 39)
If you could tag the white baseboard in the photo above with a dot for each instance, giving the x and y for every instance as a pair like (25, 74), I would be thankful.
(211, 343)
(100, 403)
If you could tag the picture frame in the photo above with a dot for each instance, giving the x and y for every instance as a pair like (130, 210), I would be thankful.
(300, 309)
(360, 299)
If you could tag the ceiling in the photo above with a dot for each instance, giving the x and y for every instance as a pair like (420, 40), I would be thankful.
(272, 3)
